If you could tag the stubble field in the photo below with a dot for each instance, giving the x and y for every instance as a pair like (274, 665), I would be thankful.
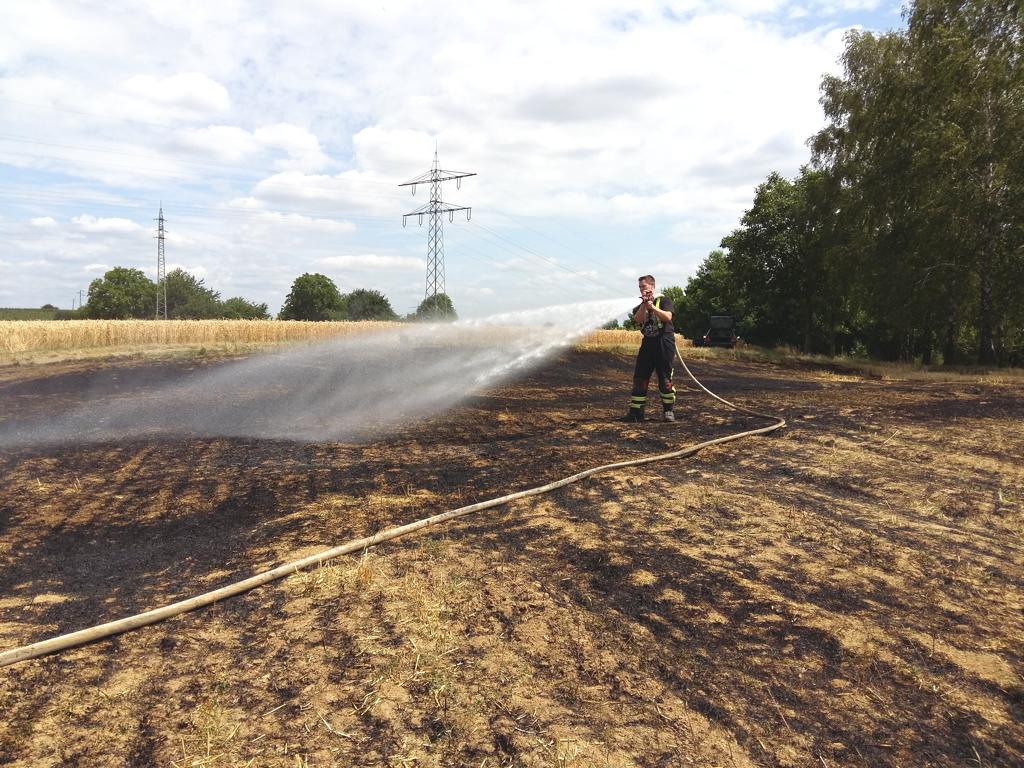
(845, 592)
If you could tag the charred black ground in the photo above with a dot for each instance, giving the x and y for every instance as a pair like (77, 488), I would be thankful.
(844, 593)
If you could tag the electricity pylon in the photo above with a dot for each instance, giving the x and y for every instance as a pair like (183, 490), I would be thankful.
(434, 209)
(161, 268)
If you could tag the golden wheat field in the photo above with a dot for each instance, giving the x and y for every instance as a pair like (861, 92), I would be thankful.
(20, 336)
(31, 337)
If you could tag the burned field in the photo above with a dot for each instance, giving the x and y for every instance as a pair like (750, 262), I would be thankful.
(847, 591)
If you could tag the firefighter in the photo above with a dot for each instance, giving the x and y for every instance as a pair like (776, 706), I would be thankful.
(657, 351)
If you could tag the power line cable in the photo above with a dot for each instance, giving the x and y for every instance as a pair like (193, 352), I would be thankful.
(524, 268)
(283, 145)
(484, 234)
(545, 259)
(518, 221)
(270, 185)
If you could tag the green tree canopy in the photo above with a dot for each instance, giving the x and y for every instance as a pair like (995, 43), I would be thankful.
(189, 299)
(926, 144)
(438, 307)
(313, 297)
(363, 304)
(776, 260)
(675, 293)
(713, 290)
(907, 233)
(237, 308)
(121, 293)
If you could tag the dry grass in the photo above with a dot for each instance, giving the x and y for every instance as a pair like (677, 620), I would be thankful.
(35, 341)
(844, 593)
(918, 372)
(618, 340)
(628, 341)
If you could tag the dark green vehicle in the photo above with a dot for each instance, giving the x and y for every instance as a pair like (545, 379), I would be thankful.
(722, 332)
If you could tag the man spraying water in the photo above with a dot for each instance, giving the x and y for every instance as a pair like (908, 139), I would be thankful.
(657, 351)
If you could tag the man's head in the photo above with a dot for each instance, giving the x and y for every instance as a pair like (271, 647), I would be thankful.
(646, 285)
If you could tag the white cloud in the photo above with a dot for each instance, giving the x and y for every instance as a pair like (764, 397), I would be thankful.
(835, 6)
(299, 222)
(590, 101)
(384, 153)
(245, 203)
(270, 136)
(373, 261)
(199, 272)
(303, 148)
(296, 148)
(88, 223)
(185, 95)
(175, 239)
(47, 28)
(222, 142)
(347, 192)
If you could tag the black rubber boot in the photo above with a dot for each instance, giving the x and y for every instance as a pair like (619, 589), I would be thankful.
(634, 415)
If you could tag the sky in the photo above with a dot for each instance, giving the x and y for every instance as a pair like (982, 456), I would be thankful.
(609, 139)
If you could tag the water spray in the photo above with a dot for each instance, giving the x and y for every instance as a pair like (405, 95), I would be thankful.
(348, 389)
(92, 634)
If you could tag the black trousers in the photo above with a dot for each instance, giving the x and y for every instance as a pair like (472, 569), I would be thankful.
(657, 353)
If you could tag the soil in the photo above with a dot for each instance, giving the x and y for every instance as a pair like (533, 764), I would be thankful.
(845, 592)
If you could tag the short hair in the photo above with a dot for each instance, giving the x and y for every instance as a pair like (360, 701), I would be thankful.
(647, 278)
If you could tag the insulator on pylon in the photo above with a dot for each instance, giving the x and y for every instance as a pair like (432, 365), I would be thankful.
(436, 207)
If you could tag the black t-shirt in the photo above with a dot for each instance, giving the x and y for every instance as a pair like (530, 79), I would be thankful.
(650, 327)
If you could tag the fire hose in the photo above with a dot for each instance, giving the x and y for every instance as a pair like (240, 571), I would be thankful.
(98, 632)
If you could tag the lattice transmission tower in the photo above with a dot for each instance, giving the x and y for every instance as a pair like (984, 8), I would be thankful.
(434, 210)
(161, 268)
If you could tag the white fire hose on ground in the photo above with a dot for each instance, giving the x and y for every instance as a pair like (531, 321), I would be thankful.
(92, 634)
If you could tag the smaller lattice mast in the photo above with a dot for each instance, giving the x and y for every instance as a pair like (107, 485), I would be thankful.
(161, 268)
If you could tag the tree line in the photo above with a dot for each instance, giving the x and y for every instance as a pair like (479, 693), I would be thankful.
(903, 237)
(316, 297)
(124, 293)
